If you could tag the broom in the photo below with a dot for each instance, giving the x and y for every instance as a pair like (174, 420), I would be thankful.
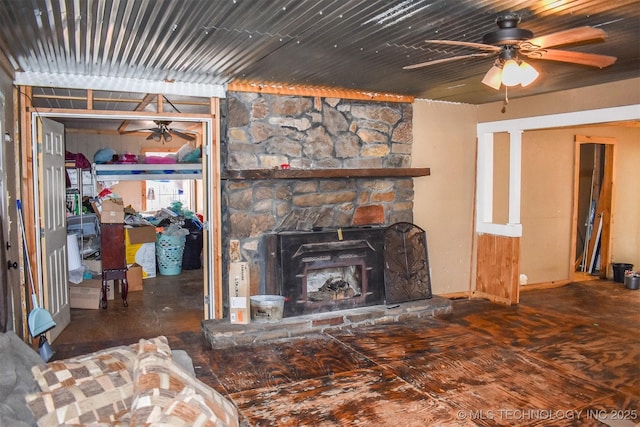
(40, 320)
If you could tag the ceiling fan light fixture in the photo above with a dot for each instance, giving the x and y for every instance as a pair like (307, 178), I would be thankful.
(156, 137)
(528, 74)
(493, 78)
(167, 136)
(511, 73)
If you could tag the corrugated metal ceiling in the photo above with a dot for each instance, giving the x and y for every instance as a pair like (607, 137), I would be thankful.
(340, 43)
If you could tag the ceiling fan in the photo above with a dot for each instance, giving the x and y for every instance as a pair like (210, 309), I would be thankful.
(162, 132)
(509, 43)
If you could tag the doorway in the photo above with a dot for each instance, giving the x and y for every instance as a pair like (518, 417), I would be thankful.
(209, 208)
(592, 205)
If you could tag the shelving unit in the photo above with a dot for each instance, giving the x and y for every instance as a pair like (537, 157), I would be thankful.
(82, 224)
(142, 172)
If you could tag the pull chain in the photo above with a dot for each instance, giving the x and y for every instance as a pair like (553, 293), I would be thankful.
(506, 100)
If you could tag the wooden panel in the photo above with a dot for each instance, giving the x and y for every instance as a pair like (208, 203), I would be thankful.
(316, 91)
(112, 241)
(325, 173)
(498, 270)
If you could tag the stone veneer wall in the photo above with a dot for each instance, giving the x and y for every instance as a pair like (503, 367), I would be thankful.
(263, 131)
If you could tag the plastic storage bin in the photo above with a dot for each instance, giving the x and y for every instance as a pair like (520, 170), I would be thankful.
(169, 250)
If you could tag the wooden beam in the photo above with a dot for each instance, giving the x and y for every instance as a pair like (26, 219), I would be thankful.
(105, 114)
(140, 107)
(89, 99)
(216, 212)
(315, 91)
(326, 173)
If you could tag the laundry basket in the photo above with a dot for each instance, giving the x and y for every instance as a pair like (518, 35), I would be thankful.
(169, 251)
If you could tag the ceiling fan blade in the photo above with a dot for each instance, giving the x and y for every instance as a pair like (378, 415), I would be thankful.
(574, 35)
(182, 135)
(452, 58)
(480, 46)
(590, 59)
(124, 132)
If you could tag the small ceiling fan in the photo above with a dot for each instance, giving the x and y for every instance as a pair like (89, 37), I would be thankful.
(162, 132)
(509, 43)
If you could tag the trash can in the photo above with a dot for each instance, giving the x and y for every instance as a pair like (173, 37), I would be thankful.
(618, 271)
(191, 258)
(632, 281)
(169, 250)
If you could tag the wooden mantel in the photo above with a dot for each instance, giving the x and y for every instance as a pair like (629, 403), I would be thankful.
(325, 173)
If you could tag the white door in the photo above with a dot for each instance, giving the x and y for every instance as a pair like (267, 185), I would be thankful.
(51, 208)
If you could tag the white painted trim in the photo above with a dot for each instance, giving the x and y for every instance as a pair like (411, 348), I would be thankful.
(516, 127)
(119, 84)
(515, 176)
(508, 230)
(484, 174)
(603, 115)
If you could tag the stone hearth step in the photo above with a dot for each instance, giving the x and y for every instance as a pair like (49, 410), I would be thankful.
(222, 334)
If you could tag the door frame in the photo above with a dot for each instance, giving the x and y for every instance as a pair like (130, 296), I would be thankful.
(608, 189)
(210, 177)
(484, 223)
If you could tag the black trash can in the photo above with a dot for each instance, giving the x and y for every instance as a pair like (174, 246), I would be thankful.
(191, 257)
(618, 271)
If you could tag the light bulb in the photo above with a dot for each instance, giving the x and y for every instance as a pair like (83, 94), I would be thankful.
(511, 73)
(527, 74)
(493, 78)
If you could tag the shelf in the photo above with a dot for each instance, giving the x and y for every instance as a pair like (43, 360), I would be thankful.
(325, 173)
(142, 172)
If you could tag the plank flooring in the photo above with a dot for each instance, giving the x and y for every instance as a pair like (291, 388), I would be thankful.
(563, 357)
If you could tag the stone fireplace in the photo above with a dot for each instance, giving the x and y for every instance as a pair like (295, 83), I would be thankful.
(277, 218)
(327, 270)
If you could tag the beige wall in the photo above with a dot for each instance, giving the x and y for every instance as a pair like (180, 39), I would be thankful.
(444, 139)
(626, 92)
(547, 178)
(547, 199)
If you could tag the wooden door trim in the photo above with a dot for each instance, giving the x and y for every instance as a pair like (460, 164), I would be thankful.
(607, 193)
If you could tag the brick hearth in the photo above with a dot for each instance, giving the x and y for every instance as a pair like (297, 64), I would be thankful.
(222, 334)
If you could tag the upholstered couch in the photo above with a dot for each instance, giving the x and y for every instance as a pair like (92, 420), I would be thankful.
(137, 385)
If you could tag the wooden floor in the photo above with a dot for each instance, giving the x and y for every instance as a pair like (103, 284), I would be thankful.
(564, 357)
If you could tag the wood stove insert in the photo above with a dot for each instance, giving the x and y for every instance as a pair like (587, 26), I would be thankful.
(327, 270)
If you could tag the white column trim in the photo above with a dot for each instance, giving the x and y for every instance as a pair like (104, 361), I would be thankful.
(515, 176)
(515, 127)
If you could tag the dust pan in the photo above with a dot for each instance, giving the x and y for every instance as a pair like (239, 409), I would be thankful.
(40, 321)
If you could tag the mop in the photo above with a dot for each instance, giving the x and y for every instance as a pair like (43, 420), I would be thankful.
(40, 320)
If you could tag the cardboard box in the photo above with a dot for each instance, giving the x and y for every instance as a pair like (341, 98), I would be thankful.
(88, 293)
(94, 265)
(112, 211)
(140, 248)
(84, 297)
(134, 277)
(239, 307)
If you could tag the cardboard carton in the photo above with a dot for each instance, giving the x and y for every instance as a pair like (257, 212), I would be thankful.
(93, 265)
(140, 248)
(134, 277)
(84, 297)
(112, 211)
(239, 307)
(88, 293)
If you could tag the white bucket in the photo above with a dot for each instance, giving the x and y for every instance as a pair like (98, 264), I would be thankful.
(267, 308)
